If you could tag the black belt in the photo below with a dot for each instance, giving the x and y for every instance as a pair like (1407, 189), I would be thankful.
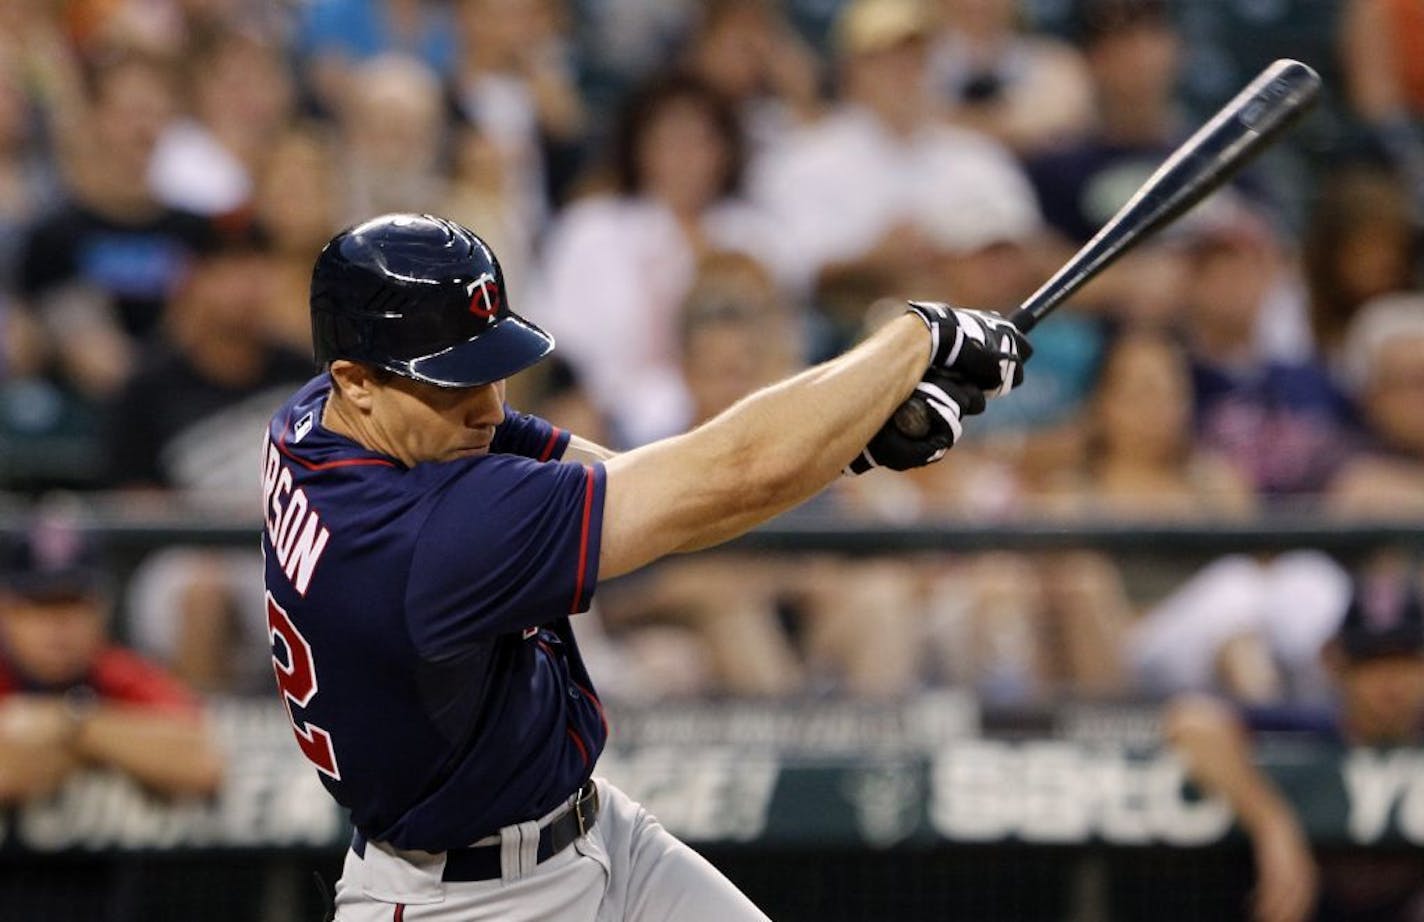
(482, 862)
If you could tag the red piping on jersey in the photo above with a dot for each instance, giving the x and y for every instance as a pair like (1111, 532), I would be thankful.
(597, 705)
(548, 451)
(327, 465)
(399, 914)
(573, 735)
(583, 541)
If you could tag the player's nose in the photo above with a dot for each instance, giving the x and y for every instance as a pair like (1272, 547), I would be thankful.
(485, 406)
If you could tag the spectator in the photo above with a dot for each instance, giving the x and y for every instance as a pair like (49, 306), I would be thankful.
(748, 52)
(98, 270)
(1377, 663)
(1272, 409)
(68, 699)
(1382, 47)
(1360, 244)
(184, 422)
(297, 202)
(732, 340)
(489, 191)
(1143, 464)
(240, 97)
(989, 255)
(26, 186)
(854, 619)
(564, 401)
(1029, 91)
(850, 192)
(27, 181)
(1383, 364)
(1133, 53)
(1142, 460)
(516, 86)
(393, 133)
(625, 42)
(1249, 626)
(337, 36)
(618, 266)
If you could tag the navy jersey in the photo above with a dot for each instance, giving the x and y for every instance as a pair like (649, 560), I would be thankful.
(419, 623)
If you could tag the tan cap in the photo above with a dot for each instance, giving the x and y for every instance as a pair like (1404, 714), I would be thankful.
(868, 26)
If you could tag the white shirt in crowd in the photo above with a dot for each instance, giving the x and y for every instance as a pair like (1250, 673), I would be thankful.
(838, 187)
(615, 273)
(193, 171)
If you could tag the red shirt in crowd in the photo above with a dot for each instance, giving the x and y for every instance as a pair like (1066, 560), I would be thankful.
(121, 677)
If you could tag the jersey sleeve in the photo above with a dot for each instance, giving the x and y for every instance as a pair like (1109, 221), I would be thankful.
(529, 436)
(509, 544)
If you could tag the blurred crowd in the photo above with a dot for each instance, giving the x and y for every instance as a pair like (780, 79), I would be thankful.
(698, 197)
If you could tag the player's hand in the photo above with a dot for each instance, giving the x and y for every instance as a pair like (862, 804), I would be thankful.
(1286, 876)
(949, 400)
(979, 347)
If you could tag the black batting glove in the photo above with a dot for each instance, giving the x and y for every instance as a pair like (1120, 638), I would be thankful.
(949, 399)
(979, 347)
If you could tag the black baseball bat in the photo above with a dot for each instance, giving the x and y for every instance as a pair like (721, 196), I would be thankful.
(1217, 151)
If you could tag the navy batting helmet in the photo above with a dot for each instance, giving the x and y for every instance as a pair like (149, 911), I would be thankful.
(422, 297)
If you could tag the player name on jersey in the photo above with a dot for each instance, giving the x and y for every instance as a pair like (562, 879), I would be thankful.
(294, 526)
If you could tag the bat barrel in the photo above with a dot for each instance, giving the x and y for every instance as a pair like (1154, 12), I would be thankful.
(1216, 152)
(1240, 130)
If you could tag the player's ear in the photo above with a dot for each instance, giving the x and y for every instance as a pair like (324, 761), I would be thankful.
(355, 382)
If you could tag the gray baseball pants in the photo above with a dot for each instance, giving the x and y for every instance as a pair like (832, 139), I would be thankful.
(627, 868)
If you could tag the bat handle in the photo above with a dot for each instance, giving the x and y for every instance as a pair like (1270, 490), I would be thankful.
(912, 418)
(1026, 317)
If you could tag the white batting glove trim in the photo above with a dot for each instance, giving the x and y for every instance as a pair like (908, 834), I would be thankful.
(948, 409)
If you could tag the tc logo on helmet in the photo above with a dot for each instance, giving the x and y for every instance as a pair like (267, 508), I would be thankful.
(484, 296)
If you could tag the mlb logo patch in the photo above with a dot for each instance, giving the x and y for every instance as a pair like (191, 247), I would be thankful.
(304, 425)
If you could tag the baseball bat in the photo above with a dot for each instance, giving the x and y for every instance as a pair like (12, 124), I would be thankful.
(1242, 128)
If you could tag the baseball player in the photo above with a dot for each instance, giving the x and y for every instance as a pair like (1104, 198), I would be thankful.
(426, 546)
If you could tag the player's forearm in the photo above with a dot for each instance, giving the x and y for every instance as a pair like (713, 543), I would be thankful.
(767, 453)
(797, 436)
(164, 752)
(1218, 757)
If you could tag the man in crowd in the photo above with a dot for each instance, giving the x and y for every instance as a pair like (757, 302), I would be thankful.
(68, 698)
(1377, 660)
(99, 270)
(851, 190)
(184, 422)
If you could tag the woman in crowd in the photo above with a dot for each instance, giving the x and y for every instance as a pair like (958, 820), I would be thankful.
(617, 265)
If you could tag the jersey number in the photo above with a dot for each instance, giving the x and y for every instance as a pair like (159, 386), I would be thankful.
(296, 678)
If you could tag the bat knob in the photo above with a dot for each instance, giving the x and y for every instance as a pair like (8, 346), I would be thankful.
(912, 419)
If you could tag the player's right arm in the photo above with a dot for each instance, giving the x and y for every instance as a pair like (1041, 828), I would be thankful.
(1212, 741)
(765, 454)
